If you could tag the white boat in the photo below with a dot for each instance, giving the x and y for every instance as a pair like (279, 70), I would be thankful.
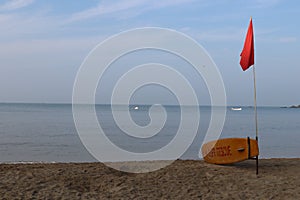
(236, 108)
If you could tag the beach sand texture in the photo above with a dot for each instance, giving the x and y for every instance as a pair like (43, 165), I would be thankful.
(277, 179)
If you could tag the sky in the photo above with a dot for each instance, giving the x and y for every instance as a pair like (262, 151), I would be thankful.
(43, 43)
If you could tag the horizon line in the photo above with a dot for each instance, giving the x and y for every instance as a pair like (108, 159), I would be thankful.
(139, 104)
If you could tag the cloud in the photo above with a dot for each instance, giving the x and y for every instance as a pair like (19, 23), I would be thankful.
(26, 26)
(102, 9)
(266, 3)
(287, 39)
(229, 34)
(15, 4)
(136, 6)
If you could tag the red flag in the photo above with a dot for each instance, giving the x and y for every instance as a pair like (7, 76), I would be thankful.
(247, 55)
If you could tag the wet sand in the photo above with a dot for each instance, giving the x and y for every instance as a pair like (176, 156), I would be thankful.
(277, 179)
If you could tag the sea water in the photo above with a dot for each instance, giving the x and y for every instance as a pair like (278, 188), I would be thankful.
(47, 133)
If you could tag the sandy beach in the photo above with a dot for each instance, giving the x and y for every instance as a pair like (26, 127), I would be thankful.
(277, 179)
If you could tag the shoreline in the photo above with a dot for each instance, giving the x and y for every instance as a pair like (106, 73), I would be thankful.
(278, 178)
(92, 162)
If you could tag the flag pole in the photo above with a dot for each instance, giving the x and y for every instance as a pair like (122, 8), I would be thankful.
(255, 113)
(247, 60)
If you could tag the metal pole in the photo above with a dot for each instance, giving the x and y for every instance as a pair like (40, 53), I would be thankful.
(255, 113)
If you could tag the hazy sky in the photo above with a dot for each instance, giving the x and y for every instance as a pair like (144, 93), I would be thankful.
(43, 43)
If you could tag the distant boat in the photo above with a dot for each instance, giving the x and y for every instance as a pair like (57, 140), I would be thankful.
(136, 108)
(236, 109)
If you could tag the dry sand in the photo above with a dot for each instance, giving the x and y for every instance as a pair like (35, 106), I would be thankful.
(277, 179)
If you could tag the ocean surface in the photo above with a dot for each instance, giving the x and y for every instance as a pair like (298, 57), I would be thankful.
(47, 133)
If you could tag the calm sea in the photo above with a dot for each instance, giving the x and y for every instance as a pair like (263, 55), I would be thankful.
(46, 132)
